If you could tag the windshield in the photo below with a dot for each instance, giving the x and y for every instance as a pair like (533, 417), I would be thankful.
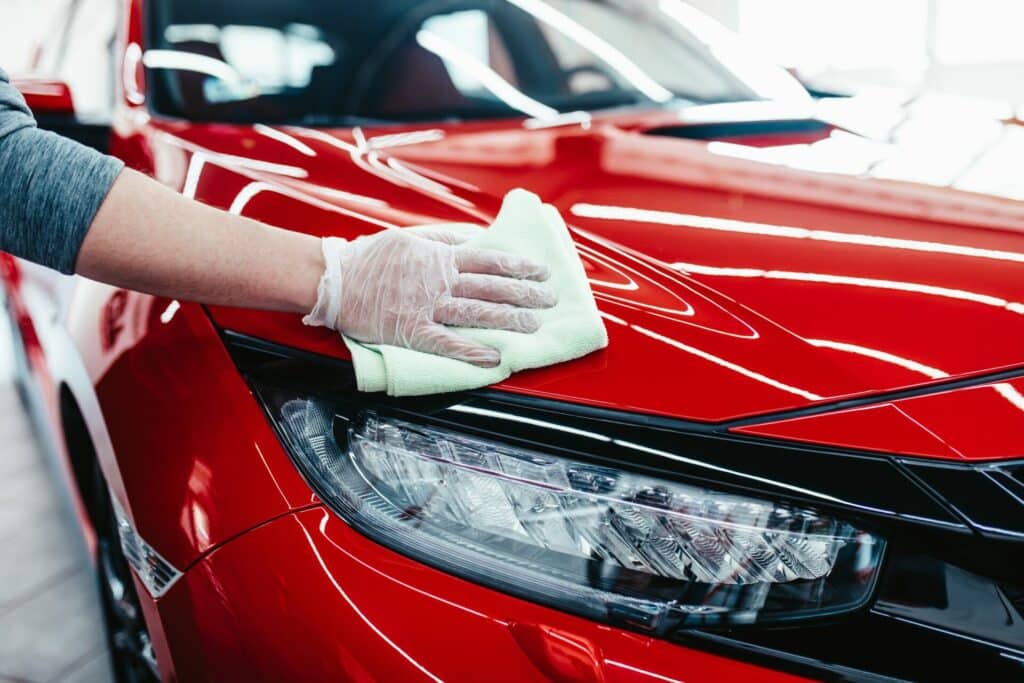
(321, 62)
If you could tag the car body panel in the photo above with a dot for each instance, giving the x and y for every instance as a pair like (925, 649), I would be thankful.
(46, 97)
(197, 462)
(718, 273)
(976, 423)
(765, 304)
(880, 427)
(241, 618)
(980, 422)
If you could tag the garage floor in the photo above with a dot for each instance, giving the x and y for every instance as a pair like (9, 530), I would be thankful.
(50, 621)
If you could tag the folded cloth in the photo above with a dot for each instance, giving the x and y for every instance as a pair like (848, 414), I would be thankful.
(571, 329)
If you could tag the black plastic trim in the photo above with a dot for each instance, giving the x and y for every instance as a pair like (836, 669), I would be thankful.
(878, 491)
(918, 507)
(781, 659)
(662, 446)
(740, 129)
(978, 495)
(880, 397)
(648, 420)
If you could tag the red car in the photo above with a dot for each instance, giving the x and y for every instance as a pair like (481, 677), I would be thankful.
(799, 456)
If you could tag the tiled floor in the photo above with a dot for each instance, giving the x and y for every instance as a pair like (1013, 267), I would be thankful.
(50, 621)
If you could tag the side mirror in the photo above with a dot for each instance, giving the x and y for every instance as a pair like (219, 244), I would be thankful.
(46, 98)
(54, 108)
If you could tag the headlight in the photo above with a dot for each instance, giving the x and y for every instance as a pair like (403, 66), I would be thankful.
(601, 542)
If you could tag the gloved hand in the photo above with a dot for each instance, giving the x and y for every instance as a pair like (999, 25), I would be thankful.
(401, 288)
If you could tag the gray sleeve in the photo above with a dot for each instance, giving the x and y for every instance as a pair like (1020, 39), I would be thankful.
(50, 187)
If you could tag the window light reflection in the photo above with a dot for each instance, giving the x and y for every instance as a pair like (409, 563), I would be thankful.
(129, 65)
(1010, 393)
(1006, 390)
(622, 213)
(247, 193)
(488, 78)
(877, 354)
(168, 313)
(284, 138)
(415, 137)
(195, 169)
(365, 156)
(766, 78)
(528, 420)
(611, 56)
(321, 136)
(189, 61)
(232, 160)
(717, 468)
(824, 278)
(728, 365)
(329, 575)
(414, 178)
(581, 118)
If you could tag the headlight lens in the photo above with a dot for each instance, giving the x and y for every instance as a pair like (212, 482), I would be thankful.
(597, 541)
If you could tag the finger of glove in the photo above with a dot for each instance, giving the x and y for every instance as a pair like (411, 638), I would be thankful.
(483, 314)
(491, 262)
(443, 236)
(504, 290)
(439, 340)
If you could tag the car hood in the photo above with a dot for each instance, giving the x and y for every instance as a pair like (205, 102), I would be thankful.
(729, 288)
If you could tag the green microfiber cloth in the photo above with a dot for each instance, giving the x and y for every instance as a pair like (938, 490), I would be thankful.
(571, 329)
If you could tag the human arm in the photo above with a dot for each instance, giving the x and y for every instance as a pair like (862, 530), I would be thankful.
(50, 187)
(149, 238)
(392, 287)
(75, 210)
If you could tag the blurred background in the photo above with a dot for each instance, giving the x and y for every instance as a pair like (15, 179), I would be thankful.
(51, 626)
(25, 24)
(967, 48)
(934, 88)
(958, 47)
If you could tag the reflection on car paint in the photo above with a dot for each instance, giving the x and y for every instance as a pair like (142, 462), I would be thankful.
(828, 279)
(709, 223)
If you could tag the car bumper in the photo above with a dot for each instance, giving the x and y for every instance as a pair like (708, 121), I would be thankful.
(307, 598)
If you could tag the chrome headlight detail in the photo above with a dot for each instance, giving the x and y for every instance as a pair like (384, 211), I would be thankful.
(594, 540)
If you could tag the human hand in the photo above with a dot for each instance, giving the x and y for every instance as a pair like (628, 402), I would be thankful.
(402, 288)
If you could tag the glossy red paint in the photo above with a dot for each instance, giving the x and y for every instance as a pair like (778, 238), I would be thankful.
(239, 615)
(880, 427)
(11, 278)
(981, 423)
(46, 97)
(197, 462)
(766, 303)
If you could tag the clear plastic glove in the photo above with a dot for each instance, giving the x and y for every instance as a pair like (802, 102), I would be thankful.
(402, 288)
